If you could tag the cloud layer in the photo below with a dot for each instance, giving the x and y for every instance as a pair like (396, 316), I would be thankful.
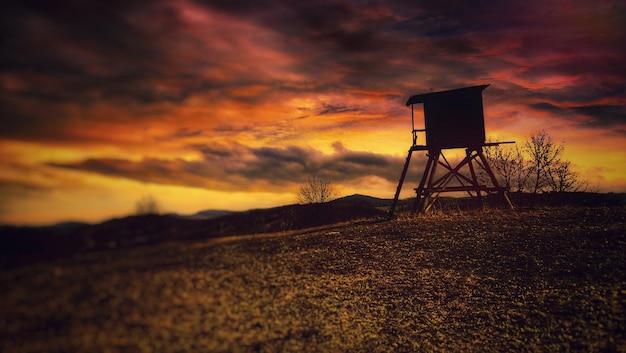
(241, 168)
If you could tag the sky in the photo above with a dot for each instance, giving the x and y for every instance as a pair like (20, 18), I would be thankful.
(233, 104)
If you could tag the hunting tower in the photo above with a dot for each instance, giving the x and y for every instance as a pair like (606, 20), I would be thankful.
(452, 119)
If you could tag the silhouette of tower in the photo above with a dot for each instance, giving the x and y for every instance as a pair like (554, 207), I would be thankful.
(453, 119)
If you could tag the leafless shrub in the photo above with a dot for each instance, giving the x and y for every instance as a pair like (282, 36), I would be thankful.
(147, 205)
(316, 189)
(509, 166)
(544, 155)
(535, 167)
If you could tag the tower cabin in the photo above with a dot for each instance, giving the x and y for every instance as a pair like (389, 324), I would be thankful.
(452, 119)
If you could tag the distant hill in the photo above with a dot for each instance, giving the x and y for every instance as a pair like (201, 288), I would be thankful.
(21, 245)
(207, 214)
(364, 200)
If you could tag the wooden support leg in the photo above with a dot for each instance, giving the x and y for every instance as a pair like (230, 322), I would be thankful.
(475, 182)
(503, 194)
(399, 188)
(423, 191)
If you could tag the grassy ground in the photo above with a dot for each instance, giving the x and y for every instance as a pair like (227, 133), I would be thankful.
(545, 280)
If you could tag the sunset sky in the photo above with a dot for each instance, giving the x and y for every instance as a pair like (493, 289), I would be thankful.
(232, 104)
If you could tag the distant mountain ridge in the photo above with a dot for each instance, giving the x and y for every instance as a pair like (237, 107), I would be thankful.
(23, 245)
(350, 199)
(364, 200)
(206, 214)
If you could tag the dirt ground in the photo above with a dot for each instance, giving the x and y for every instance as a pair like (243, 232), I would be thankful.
(546, 280)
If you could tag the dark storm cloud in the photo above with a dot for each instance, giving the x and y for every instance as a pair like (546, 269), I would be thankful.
(185, 132)
(352, 40)
(281, 156)
(57, 58)
(547, 107)
(370, 160)
(588, 94)
(149, 170)
(599, 116)
(65, 56)
(240, 167)
(604, 116)
(336, 108)
(25, 118)
(55, 38)
(111, 29)
(334, 23)
(212, 152)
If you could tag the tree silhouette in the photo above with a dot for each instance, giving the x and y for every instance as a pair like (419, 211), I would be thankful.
(510, 167)
(147, 205)
(316, 189)
(535, 167)
(544, 155)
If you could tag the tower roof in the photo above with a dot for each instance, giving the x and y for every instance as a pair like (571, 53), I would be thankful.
(444, 95)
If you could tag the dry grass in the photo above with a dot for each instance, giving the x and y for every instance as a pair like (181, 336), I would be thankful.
(546, 280)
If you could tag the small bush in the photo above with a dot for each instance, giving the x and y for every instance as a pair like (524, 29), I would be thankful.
(147, 205)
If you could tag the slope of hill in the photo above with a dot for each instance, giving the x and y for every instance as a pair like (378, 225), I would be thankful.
(206, 214)
(23, 245)
(364, 200)
(548, 280)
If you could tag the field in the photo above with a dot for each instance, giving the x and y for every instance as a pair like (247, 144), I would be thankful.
(546, 280)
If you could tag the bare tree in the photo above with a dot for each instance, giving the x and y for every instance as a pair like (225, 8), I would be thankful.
(509, 166)
(147, 205)
(316, 189)
(544, 155)
(537, 166)
(561, 178)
